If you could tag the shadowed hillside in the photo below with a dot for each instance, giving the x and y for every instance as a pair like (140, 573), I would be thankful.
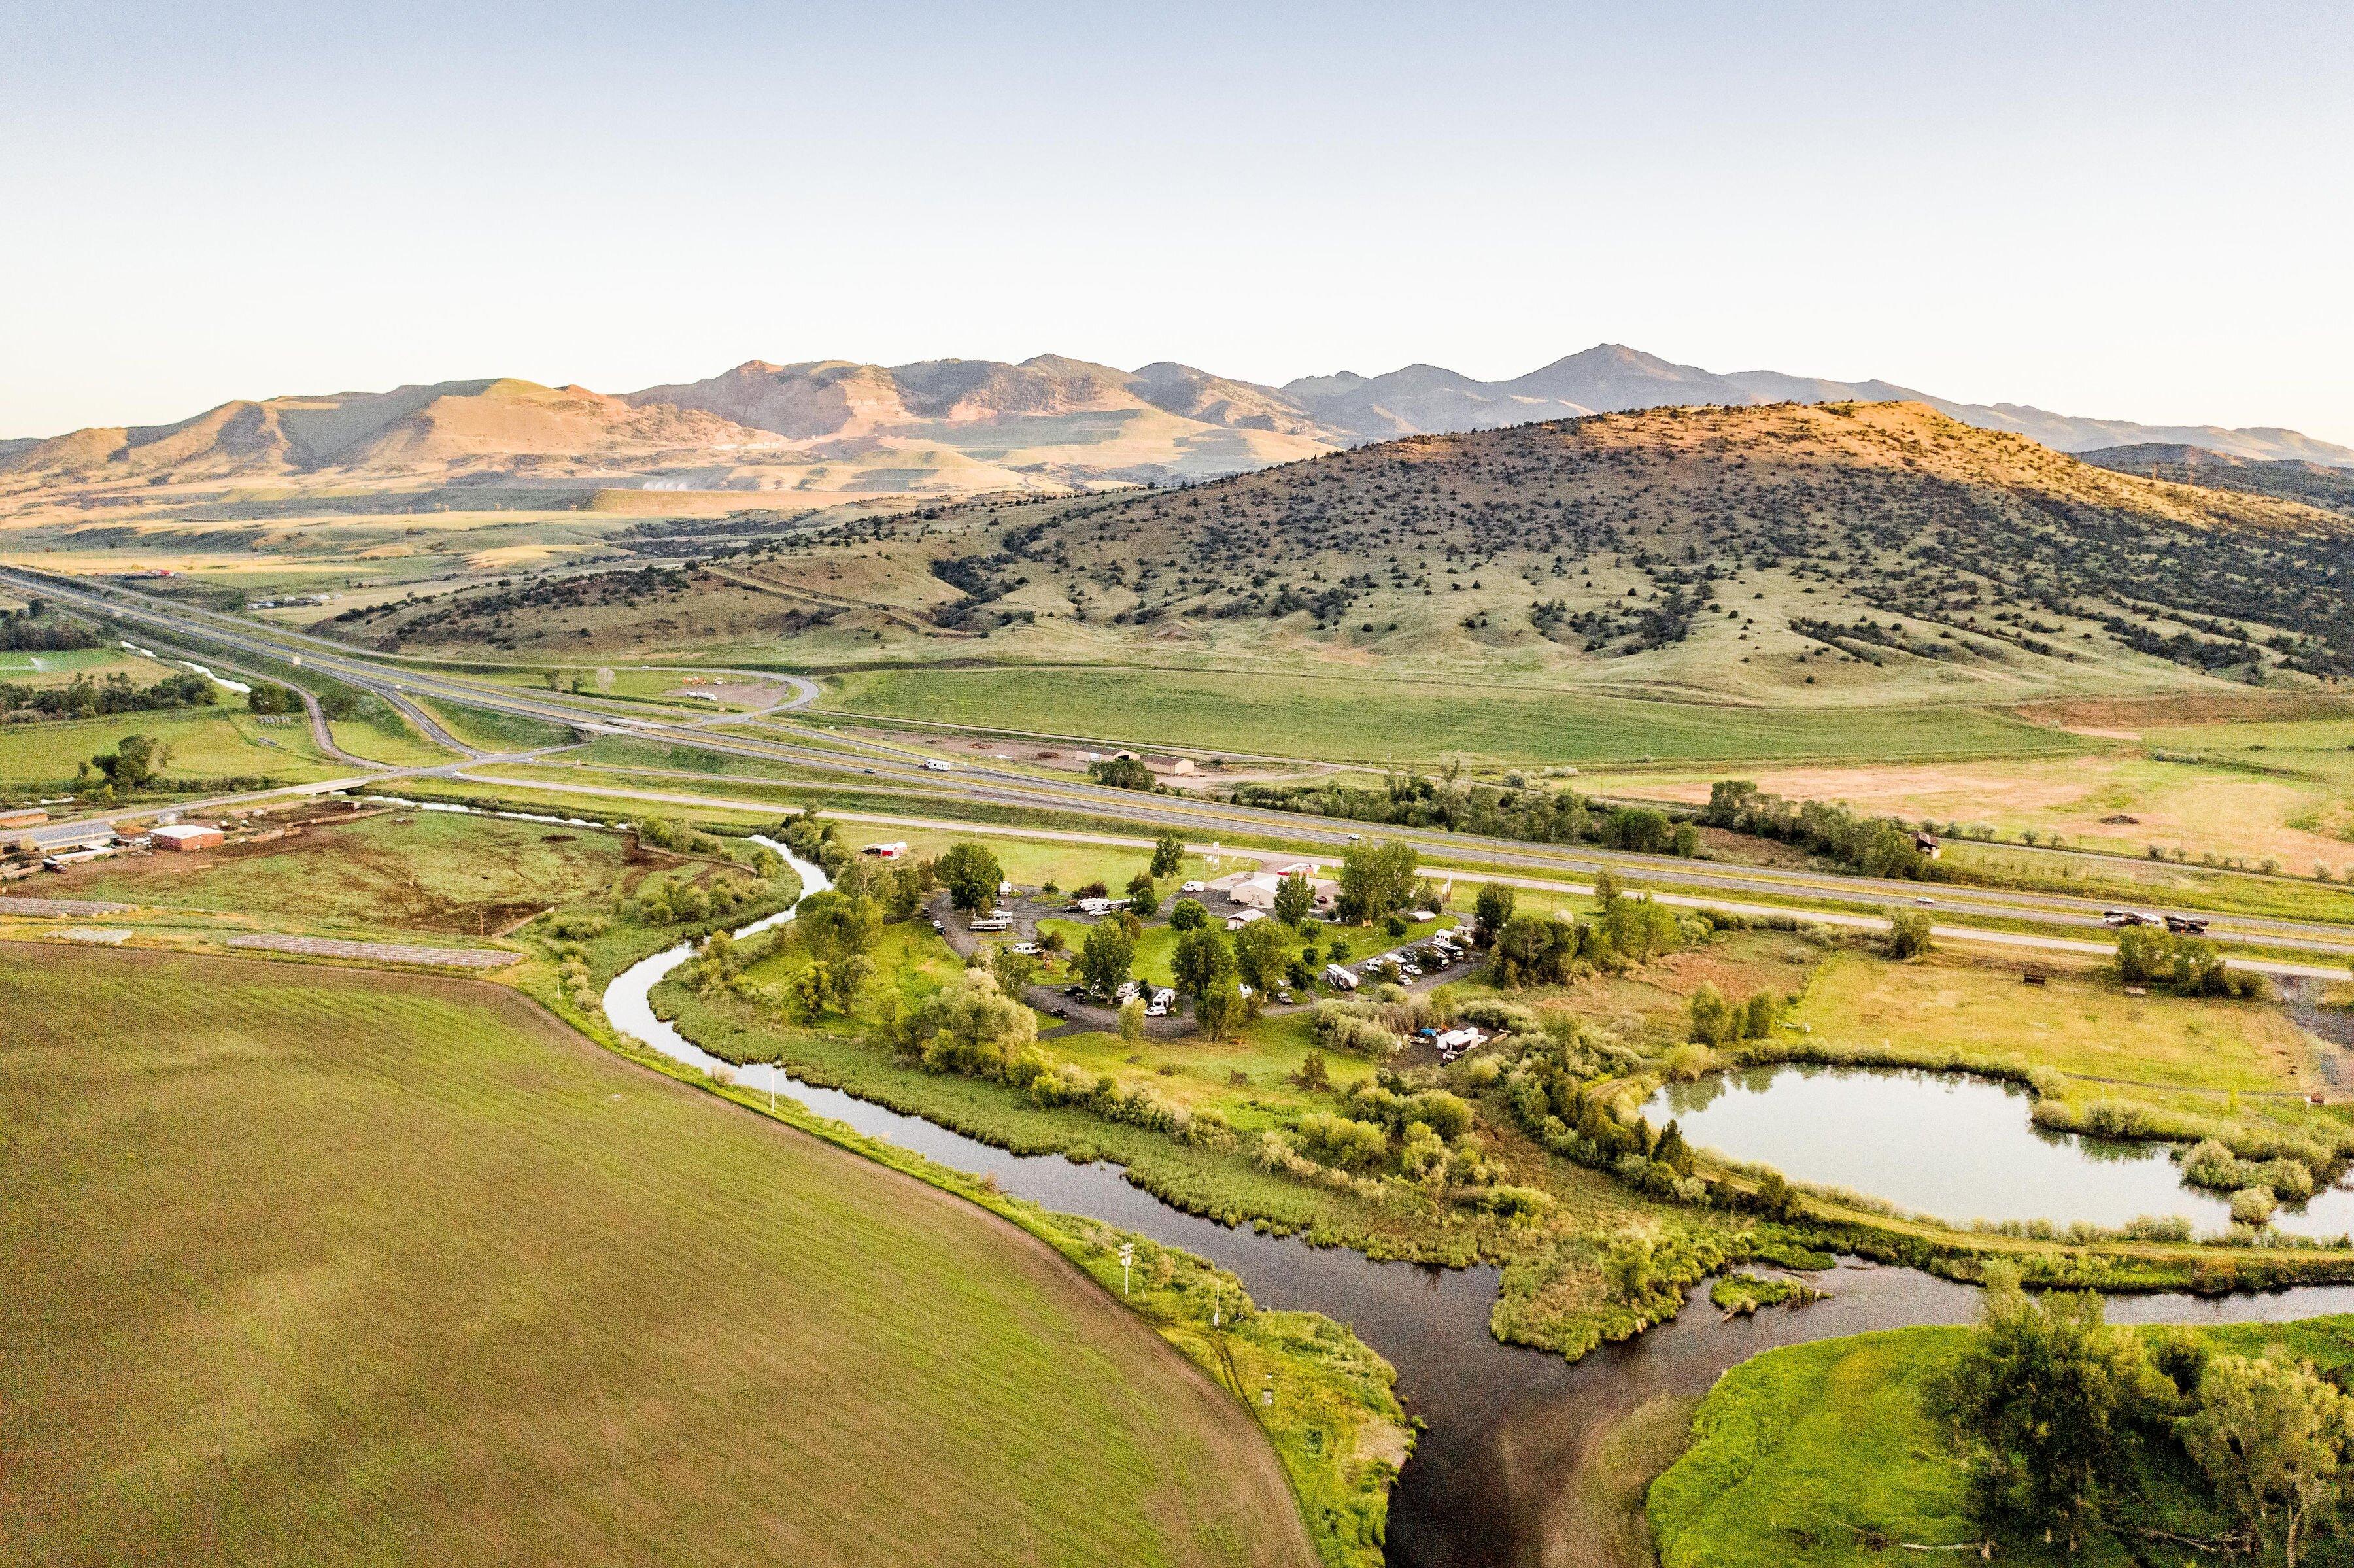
(2291, 479)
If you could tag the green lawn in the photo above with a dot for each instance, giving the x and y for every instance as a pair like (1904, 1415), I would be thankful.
(206, 743)
(1800, 1456)
(2081, 1023)
(1348, 719)
(319, 1266)
(1197, 1072)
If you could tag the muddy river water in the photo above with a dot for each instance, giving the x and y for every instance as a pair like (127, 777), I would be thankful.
(1508, 1433)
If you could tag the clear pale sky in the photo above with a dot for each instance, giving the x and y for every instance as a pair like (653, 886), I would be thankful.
(2135, 211)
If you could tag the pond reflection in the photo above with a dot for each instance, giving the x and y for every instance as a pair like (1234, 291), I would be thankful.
(1948, 1144)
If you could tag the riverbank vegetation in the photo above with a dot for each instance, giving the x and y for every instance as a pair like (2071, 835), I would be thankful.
(2152, 1446)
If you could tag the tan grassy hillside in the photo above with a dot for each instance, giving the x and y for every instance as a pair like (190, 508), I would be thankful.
(1866, 552)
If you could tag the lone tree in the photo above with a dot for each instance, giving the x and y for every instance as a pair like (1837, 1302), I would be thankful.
(1143, 899)
(1201, 960)
(1493, 908)
(971, 875)
(1295, 898)
(1168, 854)
(136, 761)
(1908, 934)
(1105, 958)
(1376, 879)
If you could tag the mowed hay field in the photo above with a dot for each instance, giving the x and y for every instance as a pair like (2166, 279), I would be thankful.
(1412, 721)
(314, 1266)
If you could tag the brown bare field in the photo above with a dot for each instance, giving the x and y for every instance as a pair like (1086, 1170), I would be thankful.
(428, 872)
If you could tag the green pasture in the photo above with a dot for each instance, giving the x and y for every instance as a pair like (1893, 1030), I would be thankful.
(2081, 1022)
(1417, 721)
(206, 743)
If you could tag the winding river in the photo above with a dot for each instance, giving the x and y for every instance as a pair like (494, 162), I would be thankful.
(1496, 1476)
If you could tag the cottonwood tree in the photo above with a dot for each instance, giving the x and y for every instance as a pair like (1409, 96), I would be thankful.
(1376, 879)
(1201, 960)
(1262, 952)
(2042, 1405)
(1295, 898)
(136, 761)
(1143, 898)
(971, 875)
(1014, 971)
(833, 925)
(1104, 960)
(970, 1026)
(1534, 949)
(1218, 1008)
(2275, 1439)
(1493, 907)
(1908, 934)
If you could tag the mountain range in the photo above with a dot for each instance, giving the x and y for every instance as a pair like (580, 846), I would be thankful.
(836, 429)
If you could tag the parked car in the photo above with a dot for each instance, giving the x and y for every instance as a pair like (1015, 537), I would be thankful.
(1924, 900)
(1059, 1013)
(938, 925)
(2186, 925)
(1191, 887)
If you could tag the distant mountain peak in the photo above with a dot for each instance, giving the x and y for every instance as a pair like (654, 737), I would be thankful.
(941, 426)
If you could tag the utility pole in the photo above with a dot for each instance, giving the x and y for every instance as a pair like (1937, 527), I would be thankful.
(1126, 1257)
